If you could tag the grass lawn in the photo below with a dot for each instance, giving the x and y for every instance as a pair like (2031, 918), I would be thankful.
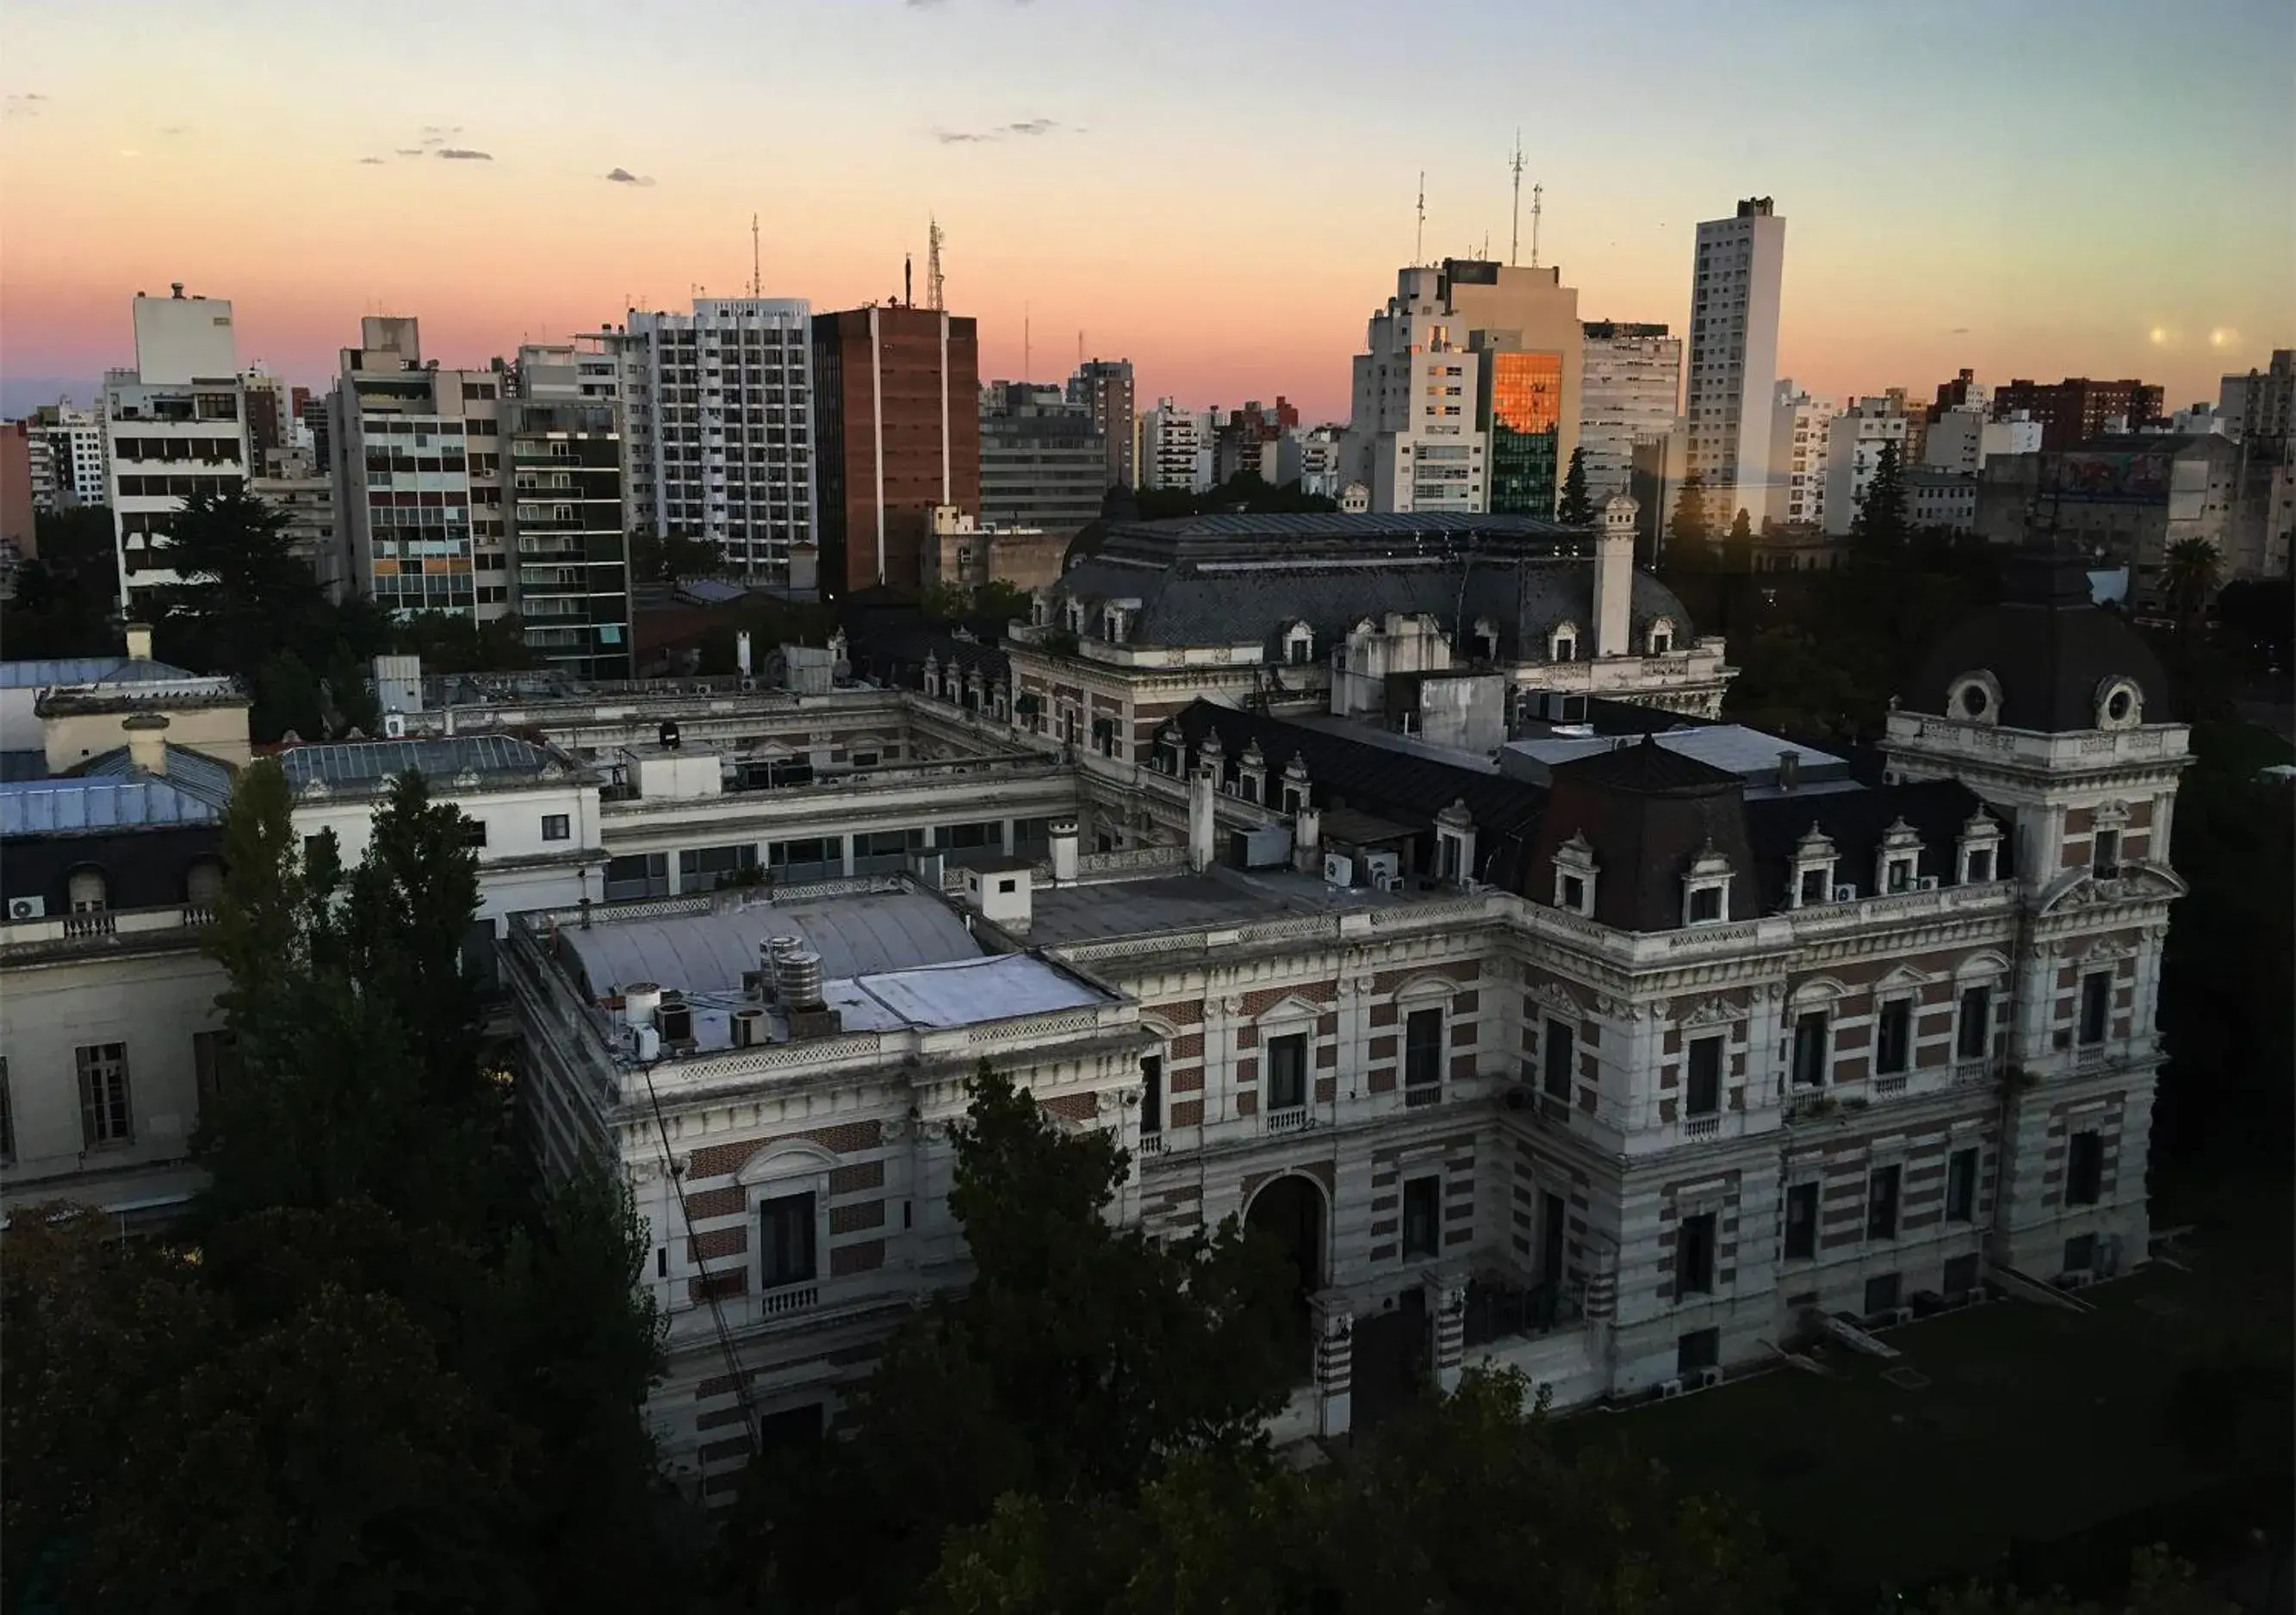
(2037, 1423)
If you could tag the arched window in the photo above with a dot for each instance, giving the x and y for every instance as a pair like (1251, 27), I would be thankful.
(86, 889)
(203, 883)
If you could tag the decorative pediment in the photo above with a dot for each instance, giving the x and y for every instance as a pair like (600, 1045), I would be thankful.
(1292, 1007)
(1706, 1011)
(2078, 888)
(1903, 976)
(1819, 989)
(1552, 995)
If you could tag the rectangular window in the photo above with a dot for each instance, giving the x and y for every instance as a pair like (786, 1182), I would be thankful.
(1423, 1216)
(635, 875)
(1893, 1037)
(1287, 1071)
(2095, 1005)
(1705, 903)
(1693, 1256)
(1961, 1275)
(215, 1060)
(1574, 894)
(1881, 1202)
(1882, 1293)
(1422, 1048)
(1980, 865)
(1976, 1034)
(557, 827)
(1801, 1222)
(1701, 1348)
(475, 832)
(1557, 1080)
(105, 1117)
(1151, 1095)
(1814, 888)
(2084, 1168)
(1961, 1187)
(2081, 1253)
(1809, 1049)
(785, 1241)
(2105, 860)
(1703, 1092)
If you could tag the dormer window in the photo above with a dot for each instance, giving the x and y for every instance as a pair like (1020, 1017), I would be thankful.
(1455, 842)
(1076, 615)
(1898, 863)
(1040, 611)
(1487, 639)
(1574, 875)
(1813, 863)
(1979, 849)
(2119, 704)
(1299, 644)
(1661, 637)
(1563, 644)
(1706, 889)
(1974, 698)
(1295, 785)
(1112, 624)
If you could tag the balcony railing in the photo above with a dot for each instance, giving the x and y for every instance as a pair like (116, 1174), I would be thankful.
(1701, 1126)
(789, 1297)
(1973, 1073)
(1291, 1118)
(1152, 1144)
(1417, 1095)
(1895, 1083)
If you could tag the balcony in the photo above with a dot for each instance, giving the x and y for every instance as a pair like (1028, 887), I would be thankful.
(788, 1299)
(1291, 1118)
(1418, 1095)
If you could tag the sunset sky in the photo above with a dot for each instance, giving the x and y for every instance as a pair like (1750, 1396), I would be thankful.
(1220, 191)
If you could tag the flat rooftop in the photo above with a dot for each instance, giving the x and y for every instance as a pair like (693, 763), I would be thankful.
(892, 958)
(1749, 753)
(1096, 911)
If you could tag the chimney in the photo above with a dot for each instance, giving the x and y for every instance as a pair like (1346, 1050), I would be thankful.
(1064, 849)
(742, 652)
(1307, 840)
(1789, 770)
(139, 642)
(1200, 819)
(147, 742)
(1615, 578)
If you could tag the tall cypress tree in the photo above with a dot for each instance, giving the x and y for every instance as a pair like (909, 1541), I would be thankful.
(1576, 510)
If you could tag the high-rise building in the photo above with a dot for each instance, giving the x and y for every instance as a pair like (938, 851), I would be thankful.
(1256, 441)
(18, 536)
(718, 427)
(303, 493)
(1963, 389)
(417, 466)
(1630, 388)
(1413, 439)
(1176, 448)
(569, 527)
(69, 442)
(1044, 462)
(2075, 409)
(1733, 357)
(270, 413)
(1103, 386)
(1961, 436)
(1854, 441)
(2260, 406)
(176, 425)
(1796, 494)
(898, 435)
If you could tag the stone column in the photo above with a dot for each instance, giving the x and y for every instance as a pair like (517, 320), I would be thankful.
(1445, 1290)
(1333, 1325)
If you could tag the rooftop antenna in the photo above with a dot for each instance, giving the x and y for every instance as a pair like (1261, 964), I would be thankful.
(1536, 192)
(933, 239)
(1026, 374)
(1514, 235)
(908, 280)
(1419, 242)
(756, 272)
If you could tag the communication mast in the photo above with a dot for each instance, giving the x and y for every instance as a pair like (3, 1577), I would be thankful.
(756, 273)
(1418, 241)
(1514, 233)
(1536, 192)
(933, 239)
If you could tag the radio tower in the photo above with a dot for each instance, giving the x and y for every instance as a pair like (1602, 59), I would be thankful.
(1419, 242)
(933, 239)
(1536, 192)
(1514, 232)
(757, 275)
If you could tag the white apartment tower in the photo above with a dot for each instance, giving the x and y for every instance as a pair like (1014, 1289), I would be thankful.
(718, 427)
(417, 453)
(1797, 481)
(177, 426)
(71, 440)
(1630, 392)
(1176, 449)
(1412, 438)
(1733, 357)
(1854, 440)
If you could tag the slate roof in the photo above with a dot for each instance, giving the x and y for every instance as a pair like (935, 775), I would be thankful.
(1647, 813)
(1524, 597)
(2049, 646)
(1396, 785)
(87, 670)
(191, 772)
(1855, 821)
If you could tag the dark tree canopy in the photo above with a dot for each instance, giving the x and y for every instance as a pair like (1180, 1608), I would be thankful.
(1575, 509)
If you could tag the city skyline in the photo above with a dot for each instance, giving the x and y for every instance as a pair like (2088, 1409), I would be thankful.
(503, 191)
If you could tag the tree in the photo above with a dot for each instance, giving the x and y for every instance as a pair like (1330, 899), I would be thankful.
(1738, 548)
(671, 558)
(1687, 532)
(2190, 572)
(1459, 1505)
(1083, 1358)
(1576, 509)
(1880, 526)
(2159, 1584)
(450, 643)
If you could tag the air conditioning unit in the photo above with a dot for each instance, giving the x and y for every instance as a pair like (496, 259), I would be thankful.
(1380, 867)
(1926, 883)
(28, 908)
(394, 725)
(1845, 894)
(646, 1045)
(1388, 882)
(1893, 1318)
(1339, 869)
(1669, 1388)
(2078, 1278)
(1709, 1378)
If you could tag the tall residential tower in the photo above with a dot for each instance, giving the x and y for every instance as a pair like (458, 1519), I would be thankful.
(1734, 357)
(176, 426)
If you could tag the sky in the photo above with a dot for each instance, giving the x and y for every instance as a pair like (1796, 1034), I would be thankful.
(1220, 192)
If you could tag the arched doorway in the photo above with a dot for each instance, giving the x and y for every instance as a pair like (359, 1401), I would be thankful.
(1289, 1212)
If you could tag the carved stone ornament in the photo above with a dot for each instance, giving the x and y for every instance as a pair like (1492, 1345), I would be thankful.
(1708, 1012)
(1555, 998)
